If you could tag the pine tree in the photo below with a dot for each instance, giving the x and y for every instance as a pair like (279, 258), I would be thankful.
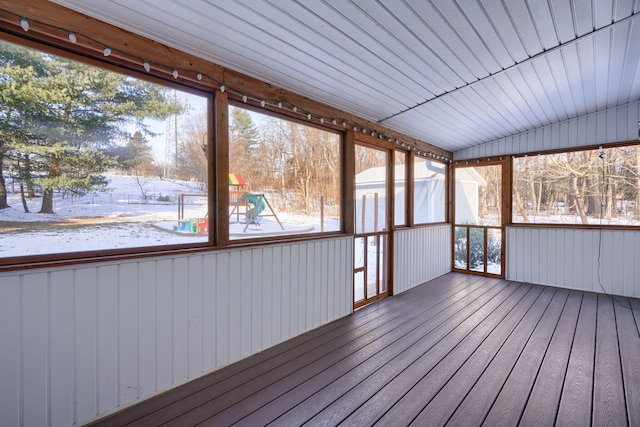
(66, 116)
(244, 140)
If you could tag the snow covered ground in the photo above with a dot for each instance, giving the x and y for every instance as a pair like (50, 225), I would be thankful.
(122, 218)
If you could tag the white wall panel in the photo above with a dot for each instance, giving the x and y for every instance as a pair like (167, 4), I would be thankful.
(81, 342)
(10, 350)
(420, 254)
(607, 126)
(591, 260)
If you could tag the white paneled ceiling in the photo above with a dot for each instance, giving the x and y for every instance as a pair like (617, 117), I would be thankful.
(455, 73)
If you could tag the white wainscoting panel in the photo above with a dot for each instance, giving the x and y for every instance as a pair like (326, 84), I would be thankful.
(589, 260)
(420, 254)
(615, 124)
(84, 341)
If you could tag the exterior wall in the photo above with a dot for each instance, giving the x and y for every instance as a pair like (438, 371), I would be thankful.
(589, 260)
(83, 341)
(420, 254)
(607, 126)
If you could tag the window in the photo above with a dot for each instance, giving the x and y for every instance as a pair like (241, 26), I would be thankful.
(93, 160)
(285, 177)
(400, 188)
(478, 195)
(587, 187)
(429, 183)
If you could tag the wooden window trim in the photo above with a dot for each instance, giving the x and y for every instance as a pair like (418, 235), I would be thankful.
(509, 197)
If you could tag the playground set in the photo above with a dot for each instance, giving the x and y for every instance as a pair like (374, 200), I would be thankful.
(242, 202)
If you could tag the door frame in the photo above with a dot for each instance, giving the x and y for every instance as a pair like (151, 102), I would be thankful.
(380, 145)
(505, 205)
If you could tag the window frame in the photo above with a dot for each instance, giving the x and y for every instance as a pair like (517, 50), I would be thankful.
(447, 178)
(596, 226)
(408, 190)
(83, 256)
(235, 100)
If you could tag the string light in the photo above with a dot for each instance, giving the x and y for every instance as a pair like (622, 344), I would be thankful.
(73, 38)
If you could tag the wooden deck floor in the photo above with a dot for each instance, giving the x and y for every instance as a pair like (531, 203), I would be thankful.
(460, 350)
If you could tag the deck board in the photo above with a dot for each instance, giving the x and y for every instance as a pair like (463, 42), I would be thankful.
(542, 406)
(608, 394)
(480, 398)
(629, 341)
(461, 349)
(512, 398)
(577, 394)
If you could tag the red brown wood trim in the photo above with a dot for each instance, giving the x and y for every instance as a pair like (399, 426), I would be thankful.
(348, 182)
(50, 23)
(221, 167)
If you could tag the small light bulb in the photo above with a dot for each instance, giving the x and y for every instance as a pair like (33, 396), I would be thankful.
(263, 103)
(355, 128)
(106, 51)
(321, 119)
(146, 66)
(72, 37)
(223, 87)
(24, 23)
(295, 108)
(244, 98)
(308, 116)
(175, 73)
(344, 124)
(279, 104)
(334, 122)
(199, 76)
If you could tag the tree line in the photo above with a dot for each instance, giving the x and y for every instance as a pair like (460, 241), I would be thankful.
(295, 165)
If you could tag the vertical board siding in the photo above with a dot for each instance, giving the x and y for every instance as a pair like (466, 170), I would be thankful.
(603, 261)
(607, 126)
(420, 254)
(81, 342)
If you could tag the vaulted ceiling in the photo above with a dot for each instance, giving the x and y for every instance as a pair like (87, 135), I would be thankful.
(455, 73)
